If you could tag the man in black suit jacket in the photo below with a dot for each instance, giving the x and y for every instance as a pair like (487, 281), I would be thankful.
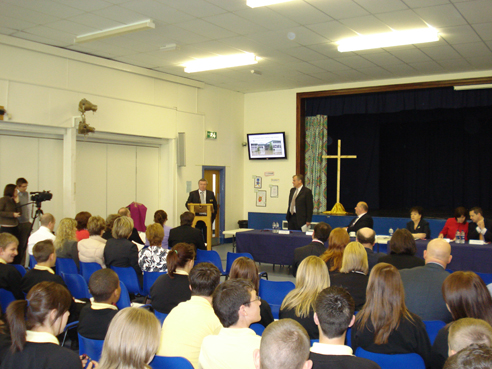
(480, 228)
(317, 247)
(363, 219)
(367, 237)
(423, 285)
(300, 211)
(195, 197)
(186, 233)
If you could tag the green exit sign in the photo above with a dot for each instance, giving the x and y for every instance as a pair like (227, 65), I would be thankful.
(212, 135)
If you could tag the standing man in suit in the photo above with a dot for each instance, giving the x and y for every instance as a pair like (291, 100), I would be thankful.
(480, 228)
(300, 210)
(363, 218)
(316, 247)
(202, 196)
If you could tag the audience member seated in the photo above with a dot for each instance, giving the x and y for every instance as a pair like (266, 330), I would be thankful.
(186, 233)
(458, 223)
(160, 216)
(353, 274)
(10, 277)
(191, 321)
(82, 218)
(108, 233)
(174, 287)
(312, 278)
(466, 296)
(423, 285)
(119, 251)
(480, 228)
(466, 331)
(316, 247)
(474, 356)
(363, 218)
(384, 325)
(418, 226)
(9, 210)
(246, 268)
(237, 306)
(134, 236)
(45, 232)
(132, 340)
(284, 345)
(66, 240)
(339, 238)
(153, 258)
(44, 314)
(95, 317)
(367, 238)
(402, 251)
(334, 314)
(91, 250)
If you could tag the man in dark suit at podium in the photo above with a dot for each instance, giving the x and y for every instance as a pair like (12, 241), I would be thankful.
(202, 196)
(300, 210)
(363, 218)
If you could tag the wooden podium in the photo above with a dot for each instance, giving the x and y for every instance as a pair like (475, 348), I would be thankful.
(207, 219)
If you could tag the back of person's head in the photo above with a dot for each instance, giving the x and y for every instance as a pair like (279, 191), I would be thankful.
(42, 250)
(155, 234)
(334, 308)
(132, 339)
(160, 216)
(96, 225)
(110, 221)
(459, 212)
(6, 239)
(339, 238)
(354, 259)
(66, 231)
(82, 218)
(312, 277)
(284, 345)
(322, 231)
(178, 256)
(228, 298)
(467, 296)
(34, 311)
(245, 268)
(46, 219)
(366, 236)
(204, 279)
(472, 357)
(124, 212)
(122, 227)
(187, 218)
(438, 250)
(103, 283)
(465, 331)
(9, 190)
(402, 242)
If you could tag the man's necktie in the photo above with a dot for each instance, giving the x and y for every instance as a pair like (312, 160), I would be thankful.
(293, 203)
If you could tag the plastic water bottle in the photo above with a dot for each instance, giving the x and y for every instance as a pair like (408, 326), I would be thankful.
(273, 227)
(462, 236)
(458, 237)
(390, 232)
(276, 227)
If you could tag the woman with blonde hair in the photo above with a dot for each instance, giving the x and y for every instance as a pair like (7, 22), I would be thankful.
(66, 240)
(339, 238)
(353, 274)
(384, 325)
(132, 340)
(312, 278)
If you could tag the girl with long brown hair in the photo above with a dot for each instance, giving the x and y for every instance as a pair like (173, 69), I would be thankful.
(339, 238)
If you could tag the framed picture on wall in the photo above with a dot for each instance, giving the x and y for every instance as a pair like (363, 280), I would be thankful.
(257, 182)
(261, 198)
(274, 191)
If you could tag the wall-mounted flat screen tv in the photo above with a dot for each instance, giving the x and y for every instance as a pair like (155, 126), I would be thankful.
(267, 146)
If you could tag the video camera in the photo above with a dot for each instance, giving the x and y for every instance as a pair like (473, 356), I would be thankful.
(41, 196)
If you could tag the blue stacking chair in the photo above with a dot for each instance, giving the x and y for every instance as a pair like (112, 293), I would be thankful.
(20, 268)
(160, 316)
(76, 285)
(66, 265)
(231, 256)
(274, 293)
(258, 328)
(6, 297)
(211, 256)
(129, 277)
(124, 300)
(148, 280)
(86, 269)
(433, 327)
(32, 261)
(313, 341)
(92, 348)
(386, 361)
(168, 362)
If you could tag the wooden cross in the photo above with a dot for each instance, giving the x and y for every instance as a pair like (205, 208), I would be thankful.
(338, 208)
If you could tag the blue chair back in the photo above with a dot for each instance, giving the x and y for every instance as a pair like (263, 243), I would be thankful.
(32, 261)
(6, 297)
(160, 316)
(274, 293)
(86, 269)
(211, 256)
(169, 362)
(231, 256)
(20, 268)
(148, 280)
(486, 277)
(76, 285)
(433, 327)
(66, 265)
(313, 341)
(92, 348)
(258, 328)
(124, 300)
(129, 277)
(385, 361)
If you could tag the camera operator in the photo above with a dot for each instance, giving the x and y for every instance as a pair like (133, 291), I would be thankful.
(9, 212)
(24, 220)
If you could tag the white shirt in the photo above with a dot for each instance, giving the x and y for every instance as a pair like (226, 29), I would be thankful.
(327, 349)
(43, 233)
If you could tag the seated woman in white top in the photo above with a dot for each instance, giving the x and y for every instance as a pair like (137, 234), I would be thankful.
(91, 250)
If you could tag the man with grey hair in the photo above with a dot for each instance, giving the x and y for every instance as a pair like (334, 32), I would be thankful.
(202, 196)
(466, 331)
(134, 237)
(284, 345)
(367, 237)
(45, 232)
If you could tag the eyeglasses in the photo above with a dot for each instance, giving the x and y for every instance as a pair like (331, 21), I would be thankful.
(256, 299)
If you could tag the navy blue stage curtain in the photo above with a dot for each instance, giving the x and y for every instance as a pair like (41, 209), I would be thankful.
(431, 148)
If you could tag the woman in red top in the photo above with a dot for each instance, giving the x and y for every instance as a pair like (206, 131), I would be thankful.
(458, 223)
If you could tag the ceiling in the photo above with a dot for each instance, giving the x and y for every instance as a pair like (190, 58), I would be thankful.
(295, 40)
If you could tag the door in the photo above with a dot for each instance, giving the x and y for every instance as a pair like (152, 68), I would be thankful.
(213, 179)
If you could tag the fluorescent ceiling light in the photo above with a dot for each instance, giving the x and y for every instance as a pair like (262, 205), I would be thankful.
(117, 31)
(472, 87)
(258, 3)
(220, 62)
(395, 38)
(169, 47)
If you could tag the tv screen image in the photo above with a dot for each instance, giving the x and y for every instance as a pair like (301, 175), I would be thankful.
(267, 145)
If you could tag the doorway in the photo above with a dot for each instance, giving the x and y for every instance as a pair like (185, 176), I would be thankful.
(215, 177)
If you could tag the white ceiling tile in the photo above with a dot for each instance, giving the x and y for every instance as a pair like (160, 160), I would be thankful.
(456, 65)
(484, 30)
(52, 34)
(340, 9)
(172, 33)
(38, 38)
(425, 3)
(352, 75)
(325, 76)
(459, 34)
(95, 21)
(333, 31)
(382, 6)
(234, 23)
(410, 55)
(441, 16)
(196, 8)
(330, 65)
(400, 70)
(120, 14)
(428, 67)
(6, 31)
(207, 29)
(482, 62)
(304, 53)
(144, 62)
(307, 68)
(49, 7)
(13, 23)
(216, 48)
(275, 39)
(35, 17)
(438, 53)
(246, 44)
(301, 12)
(475, 49)
(305, 36)
(86, 5)
(383, 59)
(267, 18)
(478, 11)
(230, 5)
(130, 43)
(366, 25)
(330, 50)
(377, 72)
(402, 20)
(275, 56)
(71, 27)
(155, 10)
(356, 62)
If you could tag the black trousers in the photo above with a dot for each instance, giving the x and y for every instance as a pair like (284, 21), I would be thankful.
(293, 226)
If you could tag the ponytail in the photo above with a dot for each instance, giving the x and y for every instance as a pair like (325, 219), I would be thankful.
(178, 256)
(16, 317)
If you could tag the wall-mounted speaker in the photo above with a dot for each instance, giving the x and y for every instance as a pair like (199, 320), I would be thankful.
(181, 157)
